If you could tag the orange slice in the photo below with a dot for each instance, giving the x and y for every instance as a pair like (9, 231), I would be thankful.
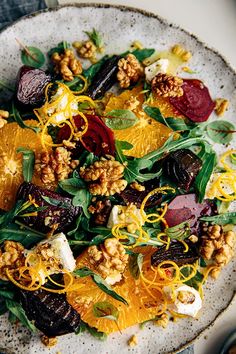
(141, 305)
(13, 136)
(147, 135)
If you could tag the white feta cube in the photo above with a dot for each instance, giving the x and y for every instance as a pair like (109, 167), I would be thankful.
(159, 66)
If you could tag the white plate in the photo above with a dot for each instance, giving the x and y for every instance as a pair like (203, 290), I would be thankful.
(120, 26)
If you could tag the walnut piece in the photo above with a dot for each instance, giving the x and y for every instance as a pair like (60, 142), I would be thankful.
(137, 186)
(162, 321)
(86, 50)
(66, 64)
(221, 106)
(11, 257)
(101, 211)
(107, 176)
(180, 52)
(129, 70)
(166, 85)
(3, 117)
(218, 246)
(55, 166)
(48, 341)
(186, 297)
(109, 259)
(133, 341)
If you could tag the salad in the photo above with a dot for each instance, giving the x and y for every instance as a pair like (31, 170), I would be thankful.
(115, 206)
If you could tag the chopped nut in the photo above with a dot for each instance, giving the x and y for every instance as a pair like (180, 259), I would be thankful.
(218, 246)
(132, 103)
(193, 238)
(166, 85)
(107, 175)
(186, 297)
(137, 186)
(86, 50)
(215, 272)
(55, 166)
(183, 54)
(129, 70)
(162, 321)
(49, 341)
(11, 257)
(3, 117)
(109, 259)
(101, 211)
(133, 341)
(137, 45)
(66, 64)
(221, 106)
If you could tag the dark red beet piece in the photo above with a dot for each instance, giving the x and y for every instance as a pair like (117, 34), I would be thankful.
(98, 139)
(51, 215)
(196, 103)
(30, 86)
(185, 207)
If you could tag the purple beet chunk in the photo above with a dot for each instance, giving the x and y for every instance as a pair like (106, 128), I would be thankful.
(30, 87)
(185, 207)
(51, 215)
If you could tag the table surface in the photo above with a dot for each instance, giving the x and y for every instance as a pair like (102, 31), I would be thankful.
(214, 22)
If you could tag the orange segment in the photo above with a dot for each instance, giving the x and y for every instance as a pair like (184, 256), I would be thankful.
(141, 306)
(13, 136)
(147, 135)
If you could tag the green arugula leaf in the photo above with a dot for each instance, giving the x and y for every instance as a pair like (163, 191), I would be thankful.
(93, 331)
(105, 309)
(100, 282)
(28, 160)
(135, 264)
(96, 38)
(176, 124)
(60, 48)
(118, 119)
(209, 162)
(20, 233)
(32, 56)
(55, 202)
(18, 119)
(94, 69)
(16, 309)
(142, 54)
(221, 219)
(194, 281)
(180, 231)
(220, 131)
(72, 185)
(6, 293)
(82, 198)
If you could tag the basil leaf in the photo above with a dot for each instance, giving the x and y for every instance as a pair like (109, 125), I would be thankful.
(28, 160)
(204, 174)
(16, 309)
(82, 199)
(18, 119)
(100, 282)
(176, 124)
(220, 131)
(118, 119)
(72, 185)
(105, 309)
(32, 56)
(55, 202)
(96, 38)
(135, 264)
(221, 219)
(142, 54)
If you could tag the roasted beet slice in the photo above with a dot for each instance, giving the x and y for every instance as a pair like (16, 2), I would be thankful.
(105, 78)
(30, 86)
(131, 195)
(62, 215)
(98, 139)
(196, 103)
(175, 253)
(185, 207)
(50, 312)
(182, 166)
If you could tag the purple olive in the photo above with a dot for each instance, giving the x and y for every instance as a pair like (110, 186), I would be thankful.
(30, 86)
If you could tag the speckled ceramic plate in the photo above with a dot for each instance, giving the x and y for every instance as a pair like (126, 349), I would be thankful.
(120, 26)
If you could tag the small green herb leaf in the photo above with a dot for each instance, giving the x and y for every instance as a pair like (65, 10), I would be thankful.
(204, 174)
(82, 198)
(60, 48)
(120, 119)
(180, 231)
(84, 272)
(220, 131)
(94, 69)
(135, 264)
(176, 124)
(221, 219)
(16, 309)
(18, 119)
(32, 56)
(93, 331)
(27, 163)
(96, 38)
(105, 309)
(55, 202)
(72, 185)
(142, 54)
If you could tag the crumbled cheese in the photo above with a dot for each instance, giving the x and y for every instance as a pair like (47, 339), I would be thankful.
(123, 214)
(158, 67)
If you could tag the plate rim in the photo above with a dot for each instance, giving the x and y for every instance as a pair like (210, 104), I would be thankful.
(168, 23)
